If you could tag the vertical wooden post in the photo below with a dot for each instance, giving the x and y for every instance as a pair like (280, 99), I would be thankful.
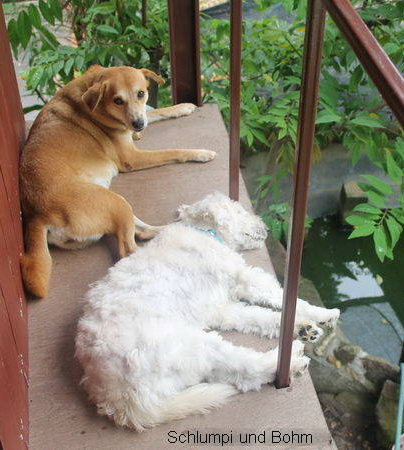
(13, 313)
(183, 16)
(305, 137)
(235, 87)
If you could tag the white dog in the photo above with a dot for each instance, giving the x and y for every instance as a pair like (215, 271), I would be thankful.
(142, 340)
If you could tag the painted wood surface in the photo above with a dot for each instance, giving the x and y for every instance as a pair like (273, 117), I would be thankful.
(13, 313)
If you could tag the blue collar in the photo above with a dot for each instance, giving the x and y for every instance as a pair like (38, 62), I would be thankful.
(210, 231)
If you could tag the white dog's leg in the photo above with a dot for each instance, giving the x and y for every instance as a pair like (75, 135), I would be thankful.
(258, 287)
(262, 321)
(248, 369)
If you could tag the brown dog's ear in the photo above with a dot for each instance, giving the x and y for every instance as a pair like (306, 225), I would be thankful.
(150, 74)
(93, 96)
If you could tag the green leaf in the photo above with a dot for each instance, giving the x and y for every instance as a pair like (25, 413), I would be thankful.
(34, 77)
(380, 240)
(398, 214)
(48, 38)
(275, 229)
(68, 65)
(56, 68)
(325, 116)
(66, 50)
(364, 230)
(24, 28)
(376, 199)
(356, 78)
(393, 169)
(34, 15)
(106, 29)
(28, 109)
(258, 134)
(13, 35)
(282, 133)
(79, 62)
(400, 147)
(395, 230)
(46, 12)
(103, 8)
(366, 208)
(56, 9)
(367, 121)
(357, 220)
(378, 184)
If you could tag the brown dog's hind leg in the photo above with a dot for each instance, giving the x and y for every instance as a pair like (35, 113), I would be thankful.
(97, 211)
(170, 112)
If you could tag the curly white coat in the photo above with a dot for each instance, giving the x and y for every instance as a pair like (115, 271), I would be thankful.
(144, 339)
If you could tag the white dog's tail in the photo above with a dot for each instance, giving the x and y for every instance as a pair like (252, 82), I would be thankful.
(198, 399)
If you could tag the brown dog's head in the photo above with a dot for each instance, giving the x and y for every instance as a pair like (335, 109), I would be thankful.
(118, 96)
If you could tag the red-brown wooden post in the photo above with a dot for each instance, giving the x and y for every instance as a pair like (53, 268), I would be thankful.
(183, 16)
(235, 86)
(305, 137)
(13, 313)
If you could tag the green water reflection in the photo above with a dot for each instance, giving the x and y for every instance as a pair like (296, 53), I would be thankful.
(348, 273)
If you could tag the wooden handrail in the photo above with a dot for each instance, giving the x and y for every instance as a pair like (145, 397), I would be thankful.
(387, 80)
(390, 84)
(373, 58)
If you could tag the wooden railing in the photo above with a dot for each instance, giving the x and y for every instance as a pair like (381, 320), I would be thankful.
(13, 313)
(376, 63)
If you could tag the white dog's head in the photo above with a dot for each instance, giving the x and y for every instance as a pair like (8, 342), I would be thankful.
(237, 227)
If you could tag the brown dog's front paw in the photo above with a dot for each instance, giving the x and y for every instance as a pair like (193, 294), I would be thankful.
(205, 156)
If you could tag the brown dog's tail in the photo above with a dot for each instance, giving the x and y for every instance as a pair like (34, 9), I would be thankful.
(36, 263)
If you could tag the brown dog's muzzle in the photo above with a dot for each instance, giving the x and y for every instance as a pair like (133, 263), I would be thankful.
(138, 124)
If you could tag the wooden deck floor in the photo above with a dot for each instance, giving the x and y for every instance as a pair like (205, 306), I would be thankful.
(60, 415)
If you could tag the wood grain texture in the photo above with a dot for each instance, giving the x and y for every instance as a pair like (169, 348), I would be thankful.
(60, 414)
(13, 314)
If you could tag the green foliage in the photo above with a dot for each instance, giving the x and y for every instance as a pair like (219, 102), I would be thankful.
(350, 109)
(277, 219)
(277, 215)
(379, 218)
(109, 33)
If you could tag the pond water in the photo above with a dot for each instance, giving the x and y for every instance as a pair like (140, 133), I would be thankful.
(348, 275)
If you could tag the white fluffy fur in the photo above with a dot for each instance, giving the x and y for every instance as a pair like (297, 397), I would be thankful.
(144, 339)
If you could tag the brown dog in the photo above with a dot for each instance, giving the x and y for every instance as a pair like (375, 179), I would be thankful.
(80, 140)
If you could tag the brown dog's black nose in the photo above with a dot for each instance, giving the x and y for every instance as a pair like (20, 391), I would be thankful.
(138, 124)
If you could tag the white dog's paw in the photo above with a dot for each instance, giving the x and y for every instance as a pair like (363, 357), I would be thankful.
(299, 366)
(308, 332)
(329, 317)
(299, 362)
(297, 349)
(184, 109)
(204, 155)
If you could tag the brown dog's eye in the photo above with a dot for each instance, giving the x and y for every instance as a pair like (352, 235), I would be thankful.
(140, 94)
(118, 101)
